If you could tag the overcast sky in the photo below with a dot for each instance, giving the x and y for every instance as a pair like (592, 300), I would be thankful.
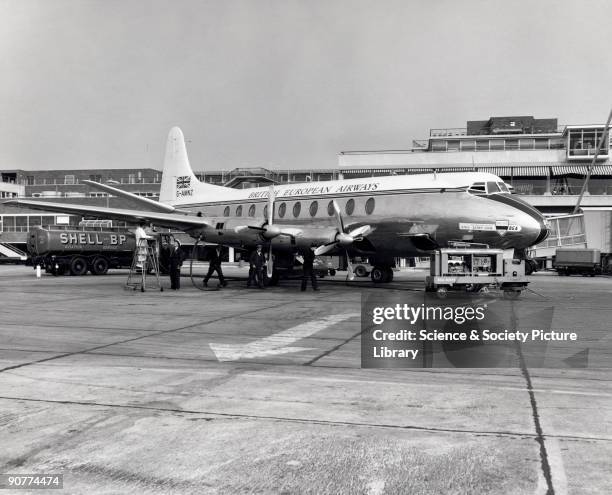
(284, 84)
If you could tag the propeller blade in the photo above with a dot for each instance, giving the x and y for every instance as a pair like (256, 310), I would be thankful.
(291, 232)
(360, 231)
(338, 216)
(349, 267)
(325, 248)
(270, 262)
(270, 231)
(271, 199)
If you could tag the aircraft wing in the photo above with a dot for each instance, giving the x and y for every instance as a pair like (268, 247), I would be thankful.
(171, 220)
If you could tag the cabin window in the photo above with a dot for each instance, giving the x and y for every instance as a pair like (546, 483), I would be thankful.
(350, 207)
(369, 206)
(226, 211)
(330, 208)
(314, 206)
(297, 207)
(239, 211)
(282, 209)
(252, 210)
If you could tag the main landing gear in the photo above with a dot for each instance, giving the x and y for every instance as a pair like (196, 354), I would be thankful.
(381, 274)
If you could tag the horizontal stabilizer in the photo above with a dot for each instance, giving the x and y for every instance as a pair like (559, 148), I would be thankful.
(148, 203)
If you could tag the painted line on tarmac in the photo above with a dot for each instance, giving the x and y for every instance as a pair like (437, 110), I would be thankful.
(67, 354)
(509, 434)
(278, 343)
(495, 433)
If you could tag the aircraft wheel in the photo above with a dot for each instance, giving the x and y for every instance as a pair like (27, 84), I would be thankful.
(78, 266)
(99, 266)
(360, 271)
(332, 272)
(381, 274)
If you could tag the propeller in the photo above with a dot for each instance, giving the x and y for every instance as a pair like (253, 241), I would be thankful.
(268, 230)
(343, 239)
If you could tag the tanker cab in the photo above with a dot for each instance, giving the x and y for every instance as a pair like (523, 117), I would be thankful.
(488, 188)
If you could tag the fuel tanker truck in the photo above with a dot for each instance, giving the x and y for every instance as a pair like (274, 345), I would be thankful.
(78, 251)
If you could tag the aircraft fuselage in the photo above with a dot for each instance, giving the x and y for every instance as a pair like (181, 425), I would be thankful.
(405, 222)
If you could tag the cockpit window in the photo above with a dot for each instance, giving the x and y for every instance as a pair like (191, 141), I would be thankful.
(481, 188)
(503, 187)
(492, 187)
(478, 188)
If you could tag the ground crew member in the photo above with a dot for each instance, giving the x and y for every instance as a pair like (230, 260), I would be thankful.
(215, 266)
(176, 259)
(307, 266)
(257, 262)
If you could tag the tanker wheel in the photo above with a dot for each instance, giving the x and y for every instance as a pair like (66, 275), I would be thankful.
(99, 266)
(388, 274)
(361, 271)
(78, 266)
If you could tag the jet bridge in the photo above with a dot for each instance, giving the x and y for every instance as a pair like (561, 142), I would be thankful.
(565, 231)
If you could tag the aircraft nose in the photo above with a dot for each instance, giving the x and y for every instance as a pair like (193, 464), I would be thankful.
(544, 232)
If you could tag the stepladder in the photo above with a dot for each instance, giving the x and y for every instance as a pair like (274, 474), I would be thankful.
(144, 270)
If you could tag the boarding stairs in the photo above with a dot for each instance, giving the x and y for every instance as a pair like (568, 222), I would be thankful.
(145, 267)
(10, 254)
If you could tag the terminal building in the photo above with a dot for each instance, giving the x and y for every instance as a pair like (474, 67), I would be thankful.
(544, 162)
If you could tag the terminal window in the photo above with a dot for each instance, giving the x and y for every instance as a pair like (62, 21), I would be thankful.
(584, 142)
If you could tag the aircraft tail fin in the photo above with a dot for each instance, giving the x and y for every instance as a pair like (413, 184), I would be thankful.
(179, 184)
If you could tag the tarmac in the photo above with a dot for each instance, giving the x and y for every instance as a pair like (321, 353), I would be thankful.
(261, 391)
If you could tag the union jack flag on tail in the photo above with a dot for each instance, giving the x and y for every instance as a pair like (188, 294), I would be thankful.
(183, 182)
